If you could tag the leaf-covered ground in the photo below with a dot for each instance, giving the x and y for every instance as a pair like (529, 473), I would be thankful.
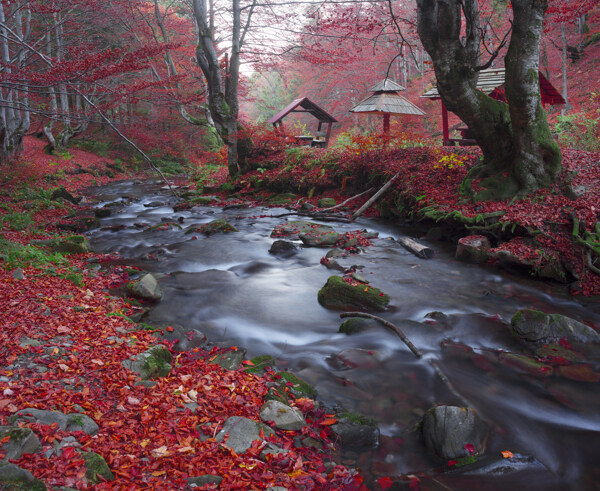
(63, 338)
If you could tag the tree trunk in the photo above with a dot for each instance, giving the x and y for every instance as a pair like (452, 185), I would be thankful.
(519, 152)
(223, 95)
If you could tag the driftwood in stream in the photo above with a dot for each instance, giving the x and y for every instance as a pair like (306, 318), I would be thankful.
(348, 200)
(373, 198)
(416, 248)
(396, 330)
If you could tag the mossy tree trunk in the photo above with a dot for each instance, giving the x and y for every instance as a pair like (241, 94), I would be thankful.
(223, 101)
(519, 152)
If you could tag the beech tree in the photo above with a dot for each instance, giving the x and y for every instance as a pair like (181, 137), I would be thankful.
(223, 100)
(519, 152)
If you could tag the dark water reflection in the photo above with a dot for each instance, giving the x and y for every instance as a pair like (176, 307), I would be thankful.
(231, 288)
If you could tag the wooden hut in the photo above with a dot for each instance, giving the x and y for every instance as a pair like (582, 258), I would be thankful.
(306, 106)
(385, 101)
(490, 82)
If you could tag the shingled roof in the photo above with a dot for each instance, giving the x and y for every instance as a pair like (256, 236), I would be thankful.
(386, 100)
(493, 78)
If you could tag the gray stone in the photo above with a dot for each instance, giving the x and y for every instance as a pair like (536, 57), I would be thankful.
(354, 325)
(326, 203)
(473, 249)
(198, 481)
(61, 192)
(67, 422)
(284, 417)
(452, 432)
(271, 449)
(22, 440)
(356, 432)
(18, 274)
(320, 238)
(293, 229)
(189, 340)
(335, 252)
(146, 288)
(230, 360)
(241, 432)
(14, 477)
(152, 363)
(283, 248)
(29, 342)
(534, 326)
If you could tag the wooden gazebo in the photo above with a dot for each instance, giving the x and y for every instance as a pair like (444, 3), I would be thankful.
(305, 105)
(491, 82)
(385, 101)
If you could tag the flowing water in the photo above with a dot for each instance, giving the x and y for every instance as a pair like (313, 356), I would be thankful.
(231, 288)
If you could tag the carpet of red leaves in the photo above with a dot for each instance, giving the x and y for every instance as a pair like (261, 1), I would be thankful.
(148, 438)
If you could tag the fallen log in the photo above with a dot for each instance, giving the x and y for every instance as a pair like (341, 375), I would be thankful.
(416, 248)
(373, 198)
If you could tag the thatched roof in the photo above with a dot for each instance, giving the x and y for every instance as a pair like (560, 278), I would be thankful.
(493, 78)
(386, 102)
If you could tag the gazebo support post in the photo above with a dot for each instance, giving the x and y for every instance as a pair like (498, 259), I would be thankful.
(445, 131)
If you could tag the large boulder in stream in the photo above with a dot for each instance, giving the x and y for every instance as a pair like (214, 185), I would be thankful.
(348, 294)
(453, 432)
(146, 288)
(311, 234)
(533, 326)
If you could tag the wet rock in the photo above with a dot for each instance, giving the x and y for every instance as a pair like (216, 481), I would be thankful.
(152, 363)
(335, 252)
(97, 468)
(326, 203)
(281, 199)
(200, 481)
(490, 465)
(550, 266)
(154, 204)
(241, 432)
(556, 351)
(187, 341)
(14, 477)
(260, 364)
(452, 432)
(533, 326)
(321, 237)
(356, 431)
(526, 364)
(299, 387)
(332, 264)
(283, 248)
(75, 244)
(216, 226)
(67, 422)
(293, 229)
(473, 249)
(21, 440)
(343, 295)
(61, 192)
(146, 288)
(230, 360)
(355, 358)
(103, 212)
(354, 325)
(283, 416)
(579, 372)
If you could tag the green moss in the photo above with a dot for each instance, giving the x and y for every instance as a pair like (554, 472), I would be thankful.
(356, 418)
(299, 385)
(97, 468)
(260, 364)
(339, 294)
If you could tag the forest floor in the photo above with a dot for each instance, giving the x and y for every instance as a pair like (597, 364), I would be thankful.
(63, 338)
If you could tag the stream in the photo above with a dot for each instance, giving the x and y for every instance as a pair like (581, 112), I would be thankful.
(232, 289)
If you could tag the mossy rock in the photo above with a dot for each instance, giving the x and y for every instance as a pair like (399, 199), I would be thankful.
(533, 326)
(15, 478)
(352, 295)
(293, 229)
(326, 203)
(75, 244)
(281, 199)
(230, 360)
(217, 226)
(152, 363)
(204, 200)
(355, 325)
(526, 364)
(320, 237)
(21, 440)
(97, 468)
(146, 288)
(260, 364)
(298, 386)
